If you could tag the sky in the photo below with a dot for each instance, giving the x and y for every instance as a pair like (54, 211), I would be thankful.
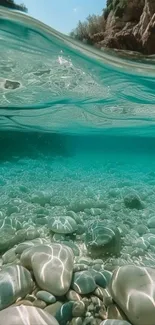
(62, 15)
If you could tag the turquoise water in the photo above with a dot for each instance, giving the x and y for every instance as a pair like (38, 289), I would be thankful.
(77, 134)
(77, 166)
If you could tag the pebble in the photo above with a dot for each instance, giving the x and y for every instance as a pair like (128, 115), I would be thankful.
(101, 240)
(73, 296)
(39, 303)
(76, 321)
(10, 256)
(79, 309)
(54, 308)
(46, 296)
(64, 314)
(83, 282)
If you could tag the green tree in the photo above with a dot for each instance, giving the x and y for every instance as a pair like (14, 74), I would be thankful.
(12, 5)
(86, 30)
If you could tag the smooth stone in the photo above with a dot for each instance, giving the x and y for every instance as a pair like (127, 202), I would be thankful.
(10, 84)
(133, 290)
(39, 303)
(141, 229)
(64, 314)
(104, 295)
(101, 240)
(75, 216)
(8, 238)
(133, 201)
(15, 282)
(151, 222)
(79, 309)
(46, 296)
(99, 278)
(9, 256)
(83, 282)
(115, 322)
(23, 315)
(44, 258)
(29, 243)
(54, 308)
(73, 296)
(41, 198)
(76, 321)
(62, 225)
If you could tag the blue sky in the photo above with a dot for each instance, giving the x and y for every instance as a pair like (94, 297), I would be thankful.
(63, 15)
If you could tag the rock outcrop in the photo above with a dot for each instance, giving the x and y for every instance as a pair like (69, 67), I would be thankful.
(129, 28)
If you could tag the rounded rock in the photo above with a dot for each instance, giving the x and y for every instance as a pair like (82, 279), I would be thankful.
(62, 225)
(78, 309)
(46, 296)
(101, 240)
(83, 282)
(133, 290)
(43, 259)
(15, 282)
(18, 316)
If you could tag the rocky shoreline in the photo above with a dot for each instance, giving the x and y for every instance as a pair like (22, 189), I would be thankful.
(124, 25)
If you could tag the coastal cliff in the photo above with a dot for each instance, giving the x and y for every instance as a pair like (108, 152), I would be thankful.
(125, 25)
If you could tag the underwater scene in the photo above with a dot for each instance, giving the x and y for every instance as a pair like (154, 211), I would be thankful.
(77, 180)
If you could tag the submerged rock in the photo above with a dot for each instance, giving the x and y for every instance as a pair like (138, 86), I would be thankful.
(46, 296)
(26, 314)
(101, 240)
(133, 201)
(10, 84)
(64, 314)
(52, 266)
(133, 289)
(151, 222)
(83, 282)
(62, 225)
(15, 282)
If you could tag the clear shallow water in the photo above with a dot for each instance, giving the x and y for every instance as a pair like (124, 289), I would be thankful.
(77, 139)
(76, 134)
